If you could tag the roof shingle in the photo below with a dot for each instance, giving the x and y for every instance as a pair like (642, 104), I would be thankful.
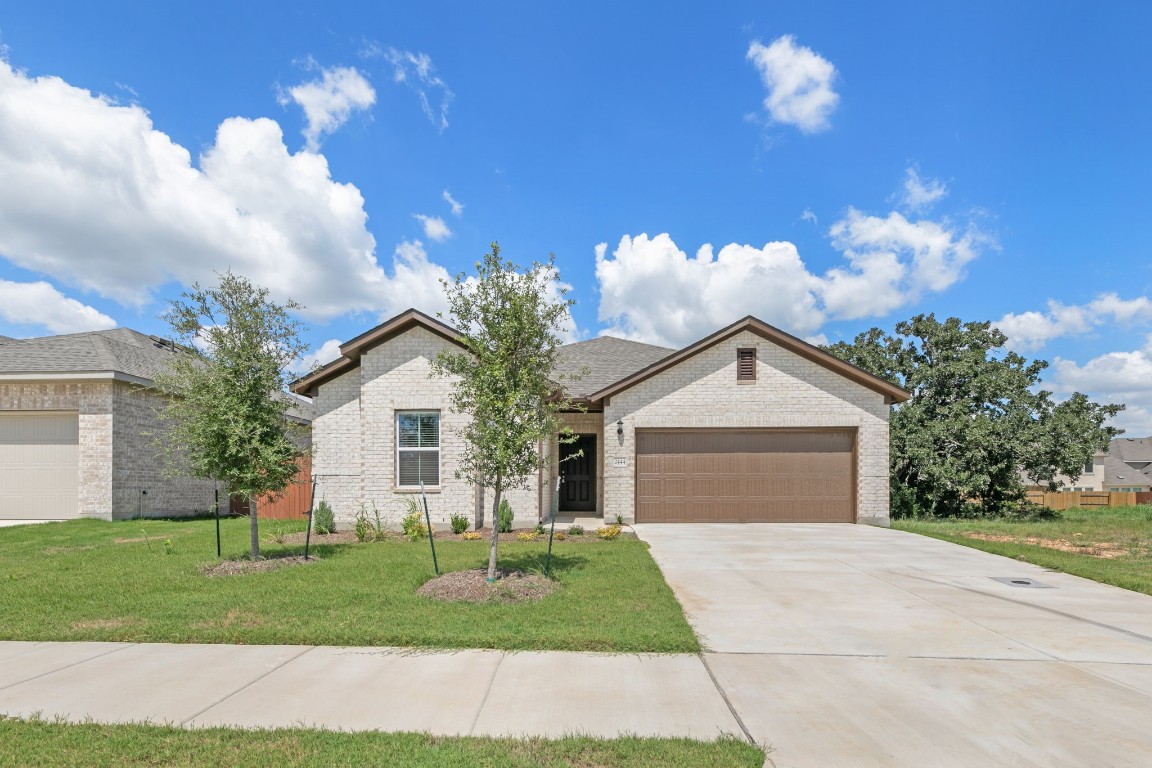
(119, 350)
(607, 359)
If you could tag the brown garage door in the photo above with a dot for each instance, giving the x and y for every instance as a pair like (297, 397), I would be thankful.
(745, 476)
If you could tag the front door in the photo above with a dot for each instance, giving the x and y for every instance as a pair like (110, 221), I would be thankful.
(578, 475)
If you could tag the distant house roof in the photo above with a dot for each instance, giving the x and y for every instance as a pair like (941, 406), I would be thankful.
(607, 360)
(1129, 461)
(117, 351)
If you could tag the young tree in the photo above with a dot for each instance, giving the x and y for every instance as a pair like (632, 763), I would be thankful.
(977, 417)
(227, 411)
(509, 325)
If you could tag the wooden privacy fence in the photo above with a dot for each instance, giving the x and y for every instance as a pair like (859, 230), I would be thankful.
(290, 504)
(1088, 499)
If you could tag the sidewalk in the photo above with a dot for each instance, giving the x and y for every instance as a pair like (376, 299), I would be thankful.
(468, 692)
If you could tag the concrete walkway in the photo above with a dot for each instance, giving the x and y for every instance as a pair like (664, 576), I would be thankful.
(450, 693)
(842, 645)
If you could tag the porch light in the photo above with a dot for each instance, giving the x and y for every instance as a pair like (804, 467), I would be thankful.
(620, 427)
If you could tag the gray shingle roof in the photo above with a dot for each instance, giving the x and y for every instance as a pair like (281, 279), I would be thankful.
(1129, 462)
(607, 359)
(120, 349)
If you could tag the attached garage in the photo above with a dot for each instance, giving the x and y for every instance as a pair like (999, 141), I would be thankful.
(745, 475)
(39, 466)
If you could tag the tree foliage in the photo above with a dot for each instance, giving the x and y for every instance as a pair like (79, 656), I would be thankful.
(977, 417)
(227, 411)
(509, 324)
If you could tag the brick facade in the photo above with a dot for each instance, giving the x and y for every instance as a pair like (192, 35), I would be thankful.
(789, 391)
(117, 457)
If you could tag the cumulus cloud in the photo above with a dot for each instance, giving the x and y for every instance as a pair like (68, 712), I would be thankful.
(799, 83)
(652, 291)
(41, 304)
(1115, 377)
(1029, 331)
(322, 355)
(456, 206)
(434, 227)
(330, 100)
(417, 72)
(96, 196)
(919, 193)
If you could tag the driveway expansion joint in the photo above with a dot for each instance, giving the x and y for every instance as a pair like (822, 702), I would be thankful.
(727, 701)
(487, 693)
(124, 647)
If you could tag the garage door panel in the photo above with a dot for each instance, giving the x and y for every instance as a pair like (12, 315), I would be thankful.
(39, 466)
(745, 476)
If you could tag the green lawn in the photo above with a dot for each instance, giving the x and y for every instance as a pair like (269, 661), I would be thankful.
(92, 580)
(1110, 545)
(38, 743)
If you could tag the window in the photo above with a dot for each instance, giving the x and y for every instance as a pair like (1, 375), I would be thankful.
(746, 365)
(417, 448)
(1089, 466)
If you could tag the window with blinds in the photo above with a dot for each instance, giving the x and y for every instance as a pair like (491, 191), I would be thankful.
(417, 448)
(746, 365)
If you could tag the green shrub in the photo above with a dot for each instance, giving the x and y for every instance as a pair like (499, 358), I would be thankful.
(363, 528)
(323, 519)
(459, 523)
(504, 519)
(575, 530)
(539, 529)
(413, 526)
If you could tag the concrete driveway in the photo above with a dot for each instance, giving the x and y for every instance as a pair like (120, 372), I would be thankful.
(845, 645)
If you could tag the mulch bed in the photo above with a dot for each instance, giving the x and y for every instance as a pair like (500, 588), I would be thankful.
(234, 567)
(473, 587)
(349, 537)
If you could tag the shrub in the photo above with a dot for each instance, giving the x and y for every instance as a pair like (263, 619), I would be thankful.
(575, 530)
(323, 519)
(608, 532)
(527, 536)
(459, 523)
(413, 526)
(504, 519)
(363, 528)
(560, 536)
(471, 536)
(539, 529)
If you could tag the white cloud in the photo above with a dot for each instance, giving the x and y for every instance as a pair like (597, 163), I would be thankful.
(1029, 331)
(417, 71)
(41, 304)
(921, 193)
(416, 282)
(652, 291)
(330, 100)
(322, 355)
(799, 83)
(456, 206)
(434, 227)
(809, 217)
(95, 196)
(1115, 377)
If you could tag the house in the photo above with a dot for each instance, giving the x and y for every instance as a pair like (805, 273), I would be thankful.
(1128, 466)
(747, 424)
(77, 430)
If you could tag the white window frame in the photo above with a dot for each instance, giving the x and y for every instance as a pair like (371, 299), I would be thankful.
(439, 459)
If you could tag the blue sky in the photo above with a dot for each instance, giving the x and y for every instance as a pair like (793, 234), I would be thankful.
(843, 166)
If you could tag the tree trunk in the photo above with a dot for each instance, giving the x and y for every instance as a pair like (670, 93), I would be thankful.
(497, 492)
(253, 528)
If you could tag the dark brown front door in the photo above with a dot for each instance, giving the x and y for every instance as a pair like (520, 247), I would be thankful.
(578, 476)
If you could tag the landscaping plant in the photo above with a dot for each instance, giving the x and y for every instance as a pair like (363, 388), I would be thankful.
(509, 324)
(504, 517)
(226, 410)
(459, 523)
(324, 520)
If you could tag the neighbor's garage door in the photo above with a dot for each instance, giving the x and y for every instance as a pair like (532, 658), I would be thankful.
(745, 476)
(39, 469)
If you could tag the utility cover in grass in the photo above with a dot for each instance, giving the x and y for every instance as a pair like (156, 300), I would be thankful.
(473, 587)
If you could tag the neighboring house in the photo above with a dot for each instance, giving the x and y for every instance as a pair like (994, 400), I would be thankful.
(1091, 479)
(1128, 466)
(748, 424)
(77, 430)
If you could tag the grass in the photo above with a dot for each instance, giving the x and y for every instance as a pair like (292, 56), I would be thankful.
(1112, 545)
(94, 580)
(46, 744)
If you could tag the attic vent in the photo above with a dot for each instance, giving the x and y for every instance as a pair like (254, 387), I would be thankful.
(746, 365)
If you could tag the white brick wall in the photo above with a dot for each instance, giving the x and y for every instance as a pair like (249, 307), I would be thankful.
(116, 455)
(789, 391)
